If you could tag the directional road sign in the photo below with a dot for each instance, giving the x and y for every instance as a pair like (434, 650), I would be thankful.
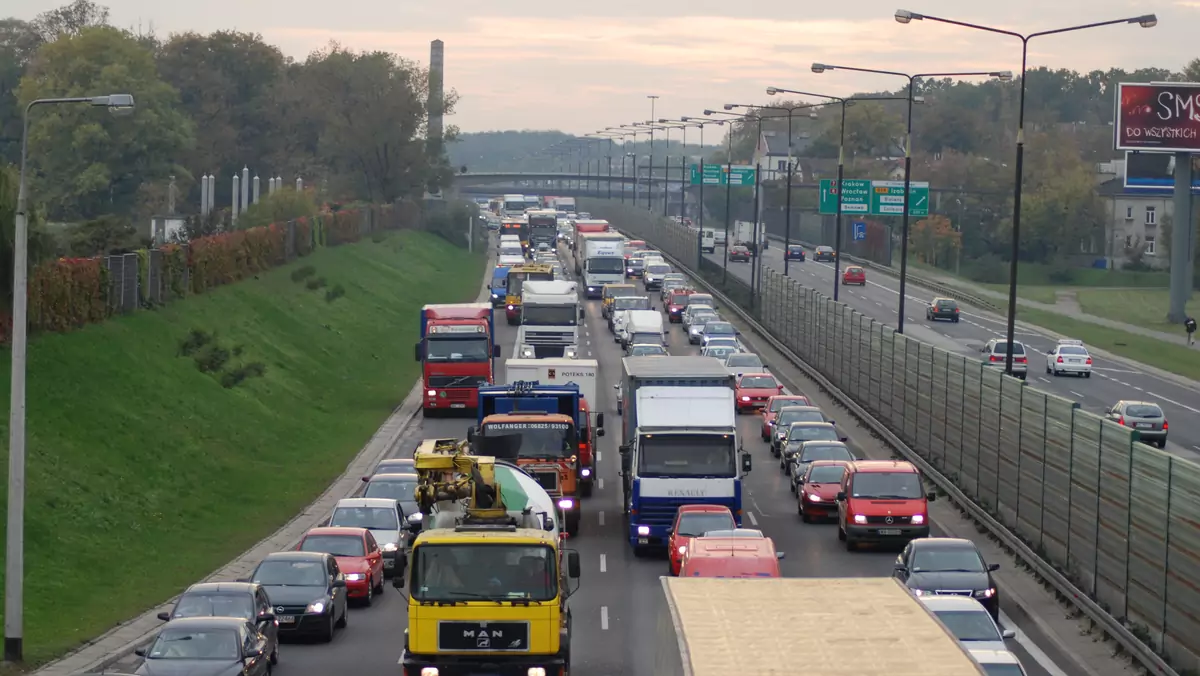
(876, 198)
(720, 174)
(860, 231)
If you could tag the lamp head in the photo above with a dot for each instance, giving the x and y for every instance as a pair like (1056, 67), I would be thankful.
(1148, 21)
(687, 119)
(1003, 76)
(663, 120)
(820, 68)
(771, 91)
(117, 104)
(905, 16)
(729, 106)
(918, 99)
(709, 112)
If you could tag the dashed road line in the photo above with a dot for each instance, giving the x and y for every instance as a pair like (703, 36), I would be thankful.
(1076, 393)
(604, 618)
(600, 484)
(753, 520)
(603, 563)
(600, 515)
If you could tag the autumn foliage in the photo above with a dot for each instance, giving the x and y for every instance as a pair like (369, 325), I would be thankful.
(934, 240)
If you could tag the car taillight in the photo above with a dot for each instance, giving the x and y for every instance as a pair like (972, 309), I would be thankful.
(1121, 420)
(1019, 360)
(1089, 361)
(1164, 425)
(993, 358)
(955, 310)
(1060, 360)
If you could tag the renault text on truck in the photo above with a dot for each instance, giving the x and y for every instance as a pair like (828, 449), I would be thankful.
(514, 206)
(517, 276)
(679, 443)
(550, 320)
(601, 261)
(543, 228)
(487, 589)
(582, 374)
(458, 344)
(535, 426)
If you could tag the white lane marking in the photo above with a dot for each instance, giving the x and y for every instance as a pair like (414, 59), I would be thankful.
(604, 619)
(1196, 447)
(598, 457)
(1076, 393)
(603, 563)
(1030, 647)
(1043, 379)
(600, 484)
(753, 520)
(1172, 401)
(1138, 389)
(1116, 370)
(601, 516)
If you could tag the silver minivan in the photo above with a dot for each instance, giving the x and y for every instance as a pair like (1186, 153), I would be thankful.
(995, 353)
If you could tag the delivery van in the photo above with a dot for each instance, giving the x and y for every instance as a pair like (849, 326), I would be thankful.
(882, 501)
(737, 557)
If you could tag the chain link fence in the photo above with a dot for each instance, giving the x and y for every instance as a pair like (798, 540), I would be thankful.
(1120, 518)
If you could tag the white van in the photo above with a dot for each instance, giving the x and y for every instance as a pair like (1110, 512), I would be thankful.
(511, 249)
(645, 327)
(708, 240)
(719, 238)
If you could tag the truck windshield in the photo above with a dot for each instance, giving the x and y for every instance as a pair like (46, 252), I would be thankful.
(605, 264)
(516, 280)
(514, 205)
(634, 303)
(708, 456)
(887, 485)
(466, 348)
(549, 315)
(528, 439)
(484, 572)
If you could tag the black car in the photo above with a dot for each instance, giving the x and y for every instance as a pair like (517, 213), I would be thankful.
(824, 253)
(949, 566)
(739, 252)
(942, 308)
(307, 591)
(794, 252)
(246, 600)
(208, 646)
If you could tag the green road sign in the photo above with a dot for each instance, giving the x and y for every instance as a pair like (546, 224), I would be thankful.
(875, 198)
(716, 174)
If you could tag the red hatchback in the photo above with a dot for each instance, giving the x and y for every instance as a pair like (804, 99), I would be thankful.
(854, 275)
(676, 304)
(692, 521)
(754, 389)
(772, 409)
(357, 554)
(818, 489)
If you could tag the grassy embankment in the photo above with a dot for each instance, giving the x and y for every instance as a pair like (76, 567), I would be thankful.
(146, 473)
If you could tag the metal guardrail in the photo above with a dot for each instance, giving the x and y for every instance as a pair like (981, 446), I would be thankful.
(1112, 524)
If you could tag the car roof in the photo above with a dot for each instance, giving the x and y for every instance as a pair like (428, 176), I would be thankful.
(221, 588)
(953, 603)
(756, 375)
(994, 657)
(810, 423)
(196, 623)
(789, 396)
(799, 407)
(829, 463)
(293, 555)
(708, 509)
(1135, 402)
(883, 466)
(345, 531)
(396, 461)
(365, 502)
(943, 543)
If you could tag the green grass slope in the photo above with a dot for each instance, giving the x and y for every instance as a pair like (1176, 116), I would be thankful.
(146, 473)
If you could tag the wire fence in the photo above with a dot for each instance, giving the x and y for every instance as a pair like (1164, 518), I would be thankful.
(1120, 518)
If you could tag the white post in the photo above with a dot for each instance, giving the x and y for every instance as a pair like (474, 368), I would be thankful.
(236, 193)
(299, 184)
(204, 195)
(212, 192)
(245, 187)
(256, 188)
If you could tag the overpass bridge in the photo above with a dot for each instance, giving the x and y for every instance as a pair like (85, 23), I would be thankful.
(517, 177)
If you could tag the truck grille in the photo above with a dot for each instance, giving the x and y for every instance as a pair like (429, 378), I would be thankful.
(548, 338)
(895, 520)
(548, 351)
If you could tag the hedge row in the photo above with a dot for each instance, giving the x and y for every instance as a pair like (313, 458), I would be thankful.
(68, 293)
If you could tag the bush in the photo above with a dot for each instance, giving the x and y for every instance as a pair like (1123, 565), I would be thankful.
(1062, 276)
(68, 293)
(237, 376)
(987, 269)
(314, 284)
(302, 273)
(449, 220)
(344, 227)
(335, 293)
(280, 207)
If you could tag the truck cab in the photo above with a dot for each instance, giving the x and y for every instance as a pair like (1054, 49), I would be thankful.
(543, 228)
(550, 320)
(498, 286)
(517, 276)
(456, 351)
(599, 260)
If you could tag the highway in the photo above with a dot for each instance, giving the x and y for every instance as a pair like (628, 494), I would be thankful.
(1109, 384)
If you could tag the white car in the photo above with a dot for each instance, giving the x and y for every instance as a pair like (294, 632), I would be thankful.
(745, 362)
(1069, 356)
(998, 662)
(969, 621)
(620, 322)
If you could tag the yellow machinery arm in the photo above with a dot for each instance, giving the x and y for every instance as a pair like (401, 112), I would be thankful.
(448, 473)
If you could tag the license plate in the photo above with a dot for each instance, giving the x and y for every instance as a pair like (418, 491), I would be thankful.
(1145, 425)
(1075, 361)
(889, 531)
(643, 541)
(287, 619)
(458, 405)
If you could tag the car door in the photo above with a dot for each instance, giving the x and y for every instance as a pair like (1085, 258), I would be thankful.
(338, 594)
(262, 607)
(255, 652)
(374, 556)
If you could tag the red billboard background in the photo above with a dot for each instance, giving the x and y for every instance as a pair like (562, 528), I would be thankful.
(1158, 117)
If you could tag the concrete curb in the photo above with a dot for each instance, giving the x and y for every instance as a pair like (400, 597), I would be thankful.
(93, 658)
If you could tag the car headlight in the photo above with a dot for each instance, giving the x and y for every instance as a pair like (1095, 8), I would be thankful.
(388, 546)
(985, 593)
(813, 497)
(511, 306)
(682, 550)
(918, 519)
(429, 671)
(355, 577)
(859, 518)
(643, 530)
(745, 398)
(317, 607)
(566, 503)
(527, 352)
(536, 671)
(585, 472)
(918, 592)
(431, 393)
(569, 353)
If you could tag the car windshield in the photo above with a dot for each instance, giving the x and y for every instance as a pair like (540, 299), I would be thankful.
(397, 465)
(1143, 411)
(700, 299)
(789, 417)
(779, 402)
(700, 319)
(201, 604)
(825, 249)
(678, 298)
(372, 518)
(826, 474)
(1078, 351)
(646, 350)
(498, 572)
(718, 329)
(887, 485)
(946, 560)
(634, 303)
(196, 644)
(718, 351)
(854, 271)
(695, 524)
(794, 247)
(338, 545)
(618, 291)
(658, 268)
(400, 490)
(744, 360)
(799, 434)
(1001, 347)
(812, 452)
(291, 573)
(970, 625)
(947, 304)
(758, 382)
(1003, 670)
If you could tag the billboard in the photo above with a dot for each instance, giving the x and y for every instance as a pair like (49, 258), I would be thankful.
(1163, 117)
(1155, 172)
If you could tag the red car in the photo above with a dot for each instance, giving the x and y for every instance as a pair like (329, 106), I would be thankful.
(676, 304)
(739, 253)
(692, 521)
(754, 389)
(817, 494)
(772, 409)
(357, 554)
(854, 275)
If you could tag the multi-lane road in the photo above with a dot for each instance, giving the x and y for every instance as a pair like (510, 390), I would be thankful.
(1110, 383)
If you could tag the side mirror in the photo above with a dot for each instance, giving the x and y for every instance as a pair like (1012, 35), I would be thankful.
(1008, 633)
(164, 616)
(617, 388)
(266, 617)
(843, 439)
(832, 422)
(600, 432)
(495, 352)
(339, 584)
(993, 567)
(417, 352)
(841, 496)
(580, 314)
(780, 555)
(366, 479)
(899, 568)
(737, 332)
(600, 418)
(140, 652)
(573, 565)
(746, 463)
(931, 496)
(780, 387)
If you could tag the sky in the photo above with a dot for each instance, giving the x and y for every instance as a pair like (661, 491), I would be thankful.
(579, 67)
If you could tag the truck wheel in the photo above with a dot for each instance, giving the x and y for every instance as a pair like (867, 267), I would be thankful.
(585, 490)
(640, 552)
(572, 523)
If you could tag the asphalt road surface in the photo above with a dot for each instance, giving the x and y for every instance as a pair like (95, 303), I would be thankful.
(1109, 383)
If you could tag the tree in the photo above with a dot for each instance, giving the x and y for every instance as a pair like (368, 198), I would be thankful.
(70, 20)
(278, 207)
(935, 241)
(86, 163)
(18, 42)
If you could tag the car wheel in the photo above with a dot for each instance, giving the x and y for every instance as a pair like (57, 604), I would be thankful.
(1087, 374)
(379, 585)
(274, 659)
(792, 486)
(956, 320)
(327, 634)
(1162, 443)
(341, 623)
(370, 594)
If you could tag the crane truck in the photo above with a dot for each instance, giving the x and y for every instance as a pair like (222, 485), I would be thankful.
(489, 581)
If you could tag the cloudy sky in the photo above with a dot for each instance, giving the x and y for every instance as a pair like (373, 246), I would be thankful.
(575, 66)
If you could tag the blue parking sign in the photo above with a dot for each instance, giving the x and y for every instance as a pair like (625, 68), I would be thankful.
(860, 231)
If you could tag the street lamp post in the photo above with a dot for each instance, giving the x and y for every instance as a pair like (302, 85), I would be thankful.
(650, 124)
(912, 79)
(682, 127)
(14, 569)
(904, 16)
(728, 184)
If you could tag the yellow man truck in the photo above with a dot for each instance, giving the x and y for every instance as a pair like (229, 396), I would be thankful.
(488, 580)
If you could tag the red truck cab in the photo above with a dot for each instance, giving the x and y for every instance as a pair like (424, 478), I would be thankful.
(731, 557)
(456, 351)
(882, 501)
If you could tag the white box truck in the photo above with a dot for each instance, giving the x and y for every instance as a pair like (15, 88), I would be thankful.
(743, 234)
(550, 318)
(603, 261)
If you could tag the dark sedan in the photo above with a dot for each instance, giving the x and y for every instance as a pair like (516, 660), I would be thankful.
(307, 591)
(824, 253)
(230, 599)
(207, 646)
(739, 253)
(794, 252)
(948, 567)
